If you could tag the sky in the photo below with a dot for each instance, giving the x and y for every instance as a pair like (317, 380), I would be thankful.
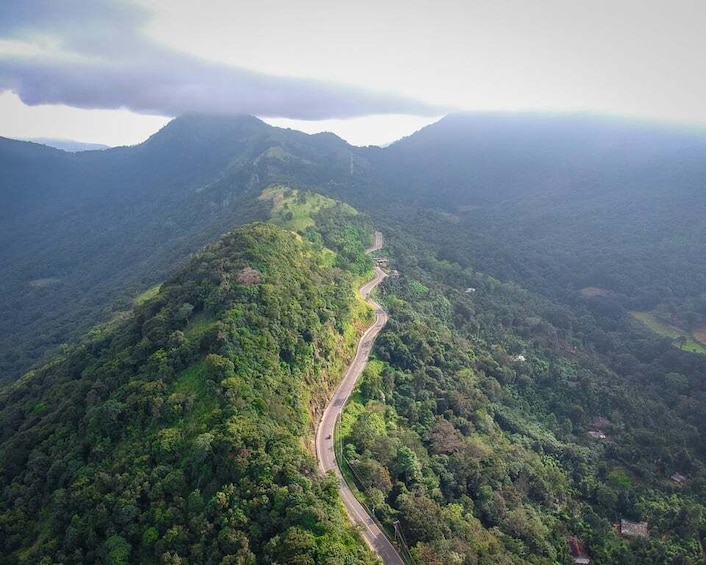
(115, 71)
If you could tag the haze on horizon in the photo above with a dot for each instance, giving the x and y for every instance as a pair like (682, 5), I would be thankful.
(113, 72)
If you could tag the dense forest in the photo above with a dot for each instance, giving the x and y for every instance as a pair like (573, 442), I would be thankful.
(556, 204)
(182, 434)
(567, 207)
(493, 434)
(540, 379)
(81, 235)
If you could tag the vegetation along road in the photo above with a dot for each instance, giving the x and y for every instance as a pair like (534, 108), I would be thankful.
(325, 452)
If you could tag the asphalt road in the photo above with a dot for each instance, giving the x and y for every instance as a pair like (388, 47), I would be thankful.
(370, 531)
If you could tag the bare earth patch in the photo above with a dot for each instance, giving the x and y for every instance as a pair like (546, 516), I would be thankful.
(41, 283)
(248, 276)
(700, 335)
(594, 292)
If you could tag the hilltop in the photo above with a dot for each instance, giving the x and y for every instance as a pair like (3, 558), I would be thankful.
(184, 431)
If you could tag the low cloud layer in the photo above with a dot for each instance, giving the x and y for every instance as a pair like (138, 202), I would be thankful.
(96, 55)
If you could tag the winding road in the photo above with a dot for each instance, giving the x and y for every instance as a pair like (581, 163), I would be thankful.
(325, 452)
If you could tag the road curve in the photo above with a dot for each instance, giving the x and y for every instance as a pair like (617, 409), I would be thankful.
(325, 453)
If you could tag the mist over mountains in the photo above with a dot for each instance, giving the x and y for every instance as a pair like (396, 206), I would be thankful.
(69, 145)
(79, 227)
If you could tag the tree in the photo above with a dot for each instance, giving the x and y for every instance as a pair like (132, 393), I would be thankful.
(408, 465)
(184, 312)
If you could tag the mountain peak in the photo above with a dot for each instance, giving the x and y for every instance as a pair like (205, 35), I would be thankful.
(200, 128)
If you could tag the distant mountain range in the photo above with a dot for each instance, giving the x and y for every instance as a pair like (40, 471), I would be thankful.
(530, 196)
(68, 144)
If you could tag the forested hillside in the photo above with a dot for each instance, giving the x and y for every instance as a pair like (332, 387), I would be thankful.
(540, 379)
(560, 205)
(82, 234)
(182, 434)
(518, 420)
(494, 434)
(568, 207)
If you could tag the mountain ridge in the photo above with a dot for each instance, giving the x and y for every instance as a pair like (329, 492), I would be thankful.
(511, 403)
(180, 406)
(145, 207)
(148, 205)
(68, 145)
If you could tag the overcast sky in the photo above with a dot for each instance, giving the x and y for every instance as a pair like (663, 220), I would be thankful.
(371, 71)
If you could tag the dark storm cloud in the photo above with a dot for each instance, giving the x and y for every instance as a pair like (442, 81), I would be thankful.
(106, 61)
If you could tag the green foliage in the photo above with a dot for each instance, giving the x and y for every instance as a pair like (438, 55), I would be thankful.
(146, 295)
(160, 443)
(478, 408)
(84, 233)
(295, 210)
(523, 245)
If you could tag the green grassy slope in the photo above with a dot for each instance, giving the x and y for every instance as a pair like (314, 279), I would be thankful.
(668, 330)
